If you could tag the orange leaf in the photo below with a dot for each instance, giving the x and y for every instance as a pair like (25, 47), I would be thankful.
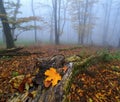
(65, 68)
(53, 76)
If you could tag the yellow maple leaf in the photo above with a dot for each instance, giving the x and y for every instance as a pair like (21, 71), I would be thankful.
(53, 76)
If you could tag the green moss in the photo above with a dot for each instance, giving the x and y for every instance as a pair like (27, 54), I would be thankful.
(107, 56)
(73, 58)
(79, 66)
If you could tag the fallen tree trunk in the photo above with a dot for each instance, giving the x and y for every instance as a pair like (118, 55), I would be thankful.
(25, 53)
(59, 92)
(16, 52)
(10, 50)
(56, 94)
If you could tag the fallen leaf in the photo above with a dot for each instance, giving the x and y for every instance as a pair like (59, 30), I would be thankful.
(4, 74)
(27, 86)
(34, 93)
(47, 83)
(53, 76)
(65, 68)
(26, 80)
(90, 100)
(16, 81)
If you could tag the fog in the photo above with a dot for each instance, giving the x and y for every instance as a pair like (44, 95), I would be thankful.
(98, 22)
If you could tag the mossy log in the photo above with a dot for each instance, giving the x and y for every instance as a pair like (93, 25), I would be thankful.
(58, 92)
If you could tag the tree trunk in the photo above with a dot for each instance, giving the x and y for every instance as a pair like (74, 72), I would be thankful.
(84, 22)
(56, 23)
(51, 29)
(33, 12)
(55, 9)
(15, 19)
(59, 15)
(6, 27)
(119, 43)
(107, 21)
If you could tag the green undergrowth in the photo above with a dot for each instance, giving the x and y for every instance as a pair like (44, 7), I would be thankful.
(107, 56)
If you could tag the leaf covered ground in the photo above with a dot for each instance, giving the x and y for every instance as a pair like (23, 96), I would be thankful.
(100, 82)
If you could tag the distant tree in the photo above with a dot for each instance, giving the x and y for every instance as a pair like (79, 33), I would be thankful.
(119, 43)
(55, 9)
(59, 12)
(82, 18)
(56, 19)
(33, 12)
(6, 27)
(51, 28)
(107, 6)
(116, 22)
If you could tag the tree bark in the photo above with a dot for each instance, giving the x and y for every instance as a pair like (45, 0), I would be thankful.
(59, 14)
(56, 23)
(51, 29)
(55, 9)
(107, 21)
(6, 27)
(15, 19)
(33, 12)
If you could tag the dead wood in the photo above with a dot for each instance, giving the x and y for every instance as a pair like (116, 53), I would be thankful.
(11, 50)
(25, 53)
(71, 48)
(56, 93)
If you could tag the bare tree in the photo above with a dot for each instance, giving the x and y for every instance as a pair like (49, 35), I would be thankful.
(56, 19)
(55, 9)
(107, 8)
(82, 18)
(58, 25)
(51, 28)
(33, 12)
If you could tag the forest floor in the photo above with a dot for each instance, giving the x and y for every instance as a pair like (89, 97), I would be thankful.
(100, 83)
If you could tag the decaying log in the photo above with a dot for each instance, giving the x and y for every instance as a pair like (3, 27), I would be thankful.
(17, 52)
(11, 50)
(58, 92)
(24, 53)
(71, 48)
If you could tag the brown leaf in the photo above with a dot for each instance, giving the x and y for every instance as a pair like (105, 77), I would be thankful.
(28, 80)
(4, 74)
(47, 83)
(65, 68)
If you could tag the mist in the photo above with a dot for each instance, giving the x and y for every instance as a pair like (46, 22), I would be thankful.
(92, 22)
(60, 50)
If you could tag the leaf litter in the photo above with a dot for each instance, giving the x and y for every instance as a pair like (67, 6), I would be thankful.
(17, 73)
